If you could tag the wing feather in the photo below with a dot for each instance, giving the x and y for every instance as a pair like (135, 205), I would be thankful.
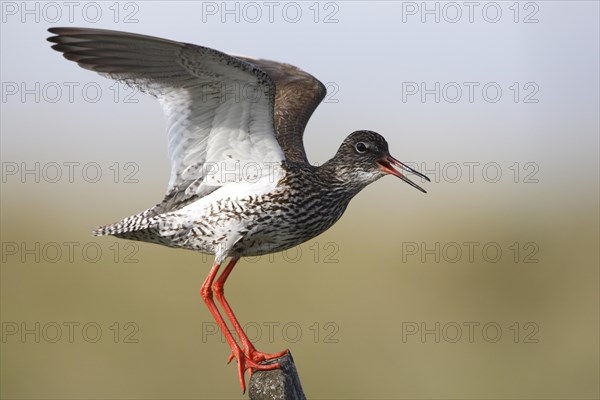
(297, 96)
(209, 122)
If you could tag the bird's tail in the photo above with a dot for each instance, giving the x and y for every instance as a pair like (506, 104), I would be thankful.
(134, 223)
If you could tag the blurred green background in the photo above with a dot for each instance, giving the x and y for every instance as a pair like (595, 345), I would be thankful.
(486, 287)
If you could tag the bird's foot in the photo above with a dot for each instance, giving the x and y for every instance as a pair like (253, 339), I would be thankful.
(245, 362)
(258, 356)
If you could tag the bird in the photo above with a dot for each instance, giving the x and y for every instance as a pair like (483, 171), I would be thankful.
(240, 182)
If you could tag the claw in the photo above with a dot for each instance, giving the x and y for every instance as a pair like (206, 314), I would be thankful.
(244, 363)
(250, 359)
(258, 356)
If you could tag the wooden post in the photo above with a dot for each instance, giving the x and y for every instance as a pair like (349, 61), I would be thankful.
(277, 384)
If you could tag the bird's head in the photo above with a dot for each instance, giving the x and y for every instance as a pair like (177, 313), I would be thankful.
(364, 157)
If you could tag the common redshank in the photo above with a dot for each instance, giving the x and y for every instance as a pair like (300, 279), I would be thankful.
(240, 182)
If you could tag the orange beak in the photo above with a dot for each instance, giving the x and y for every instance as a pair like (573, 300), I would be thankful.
(386, 165)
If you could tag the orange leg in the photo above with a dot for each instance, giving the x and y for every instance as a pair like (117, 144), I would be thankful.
(243, 361)
(248, 348)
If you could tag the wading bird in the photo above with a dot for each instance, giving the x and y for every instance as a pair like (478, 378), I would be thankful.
(240, 182)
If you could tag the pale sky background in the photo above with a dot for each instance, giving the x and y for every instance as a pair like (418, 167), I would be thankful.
(366, 55)
(544, 142)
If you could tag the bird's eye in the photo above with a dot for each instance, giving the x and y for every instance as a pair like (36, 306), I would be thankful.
(360, 147)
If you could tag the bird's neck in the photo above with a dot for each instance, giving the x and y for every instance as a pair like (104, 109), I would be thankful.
(341, 175)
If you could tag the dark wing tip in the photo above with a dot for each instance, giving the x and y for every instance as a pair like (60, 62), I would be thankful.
(59, 31)
(54, 39)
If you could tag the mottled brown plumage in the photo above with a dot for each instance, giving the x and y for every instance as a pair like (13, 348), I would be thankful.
(240, 183)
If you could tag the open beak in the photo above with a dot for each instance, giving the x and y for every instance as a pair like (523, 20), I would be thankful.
(386, 163)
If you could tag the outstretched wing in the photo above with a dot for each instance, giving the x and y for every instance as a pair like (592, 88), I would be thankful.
(297, 96)
(219, 108)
